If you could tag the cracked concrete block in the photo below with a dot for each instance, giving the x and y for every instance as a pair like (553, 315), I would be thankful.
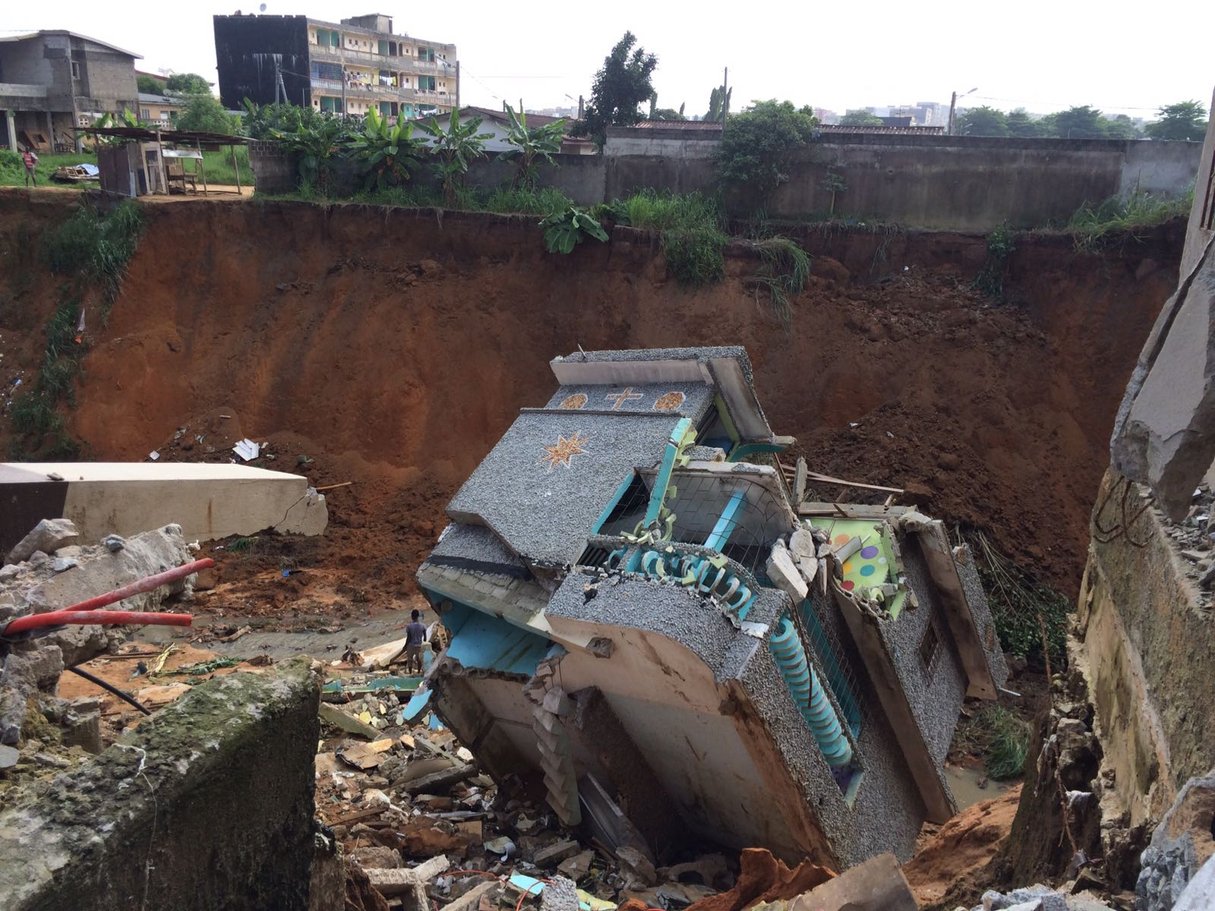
(783, 573)
(233, 756)
(1164, 434)
(47, 536)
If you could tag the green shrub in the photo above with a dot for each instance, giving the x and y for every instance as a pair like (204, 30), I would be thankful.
(1000, 245)
(1025, 611)
(1007, 743)
(95, 248)
(565, 230)
(691, 230)
(89, 249)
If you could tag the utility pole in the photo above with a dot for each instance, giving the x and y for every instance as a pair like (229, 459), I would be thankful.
(725, 95)
(457, 85)
(953, 100)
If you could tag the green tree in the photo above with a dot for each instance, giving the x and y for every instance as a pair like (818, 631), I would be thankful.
(1020, 124)
(719, 104)
(204, 114)
(187, 84)
(1082, 122)
(532, 145)
(757, 148)
(1120, 127)
(1183, 120)
(982, 121)
(621, 85)
(150, 85)
(455, 148)
(860, 118)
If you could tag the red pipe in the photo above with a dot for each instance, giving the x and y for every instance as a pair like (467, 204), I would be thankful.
(86, 612)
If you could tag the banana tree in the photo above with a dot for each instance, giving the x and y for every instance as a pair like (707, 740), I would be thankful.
(387, 152)
(316, 145)
(532, 145)
(455, 147)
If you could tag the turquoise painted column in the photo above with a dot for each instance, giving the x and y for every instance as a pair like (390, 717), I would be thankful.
(808, 693)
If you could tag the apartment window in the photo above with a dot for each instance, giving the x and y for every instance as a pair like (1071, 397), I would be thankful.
(426, 54)
(145, 114)
(331, 105)
(75, 70)
(426, 84)
(328, 38)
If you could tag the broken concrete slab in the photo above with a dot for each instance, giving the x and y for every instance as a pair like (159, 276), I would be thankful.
(1199, 895)
(47, 536)
(209, 501)
(560, 894)
(392, 882)
(1164, 434)
(878, 884)
(130, 822)
(784, 574)
(1181, 844)
(471, 899)
(346, 722)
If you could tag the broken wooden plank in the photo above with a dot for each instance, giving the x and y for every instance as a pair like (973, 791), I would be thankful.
(861, 511)
(828, 479)
(934, 545)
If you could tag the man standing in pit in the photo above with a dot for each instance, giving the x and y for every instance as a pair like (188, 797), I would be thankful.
(415, 636)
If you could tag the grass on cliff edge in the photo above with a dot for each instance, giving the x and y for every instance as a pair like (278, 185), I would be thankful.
(1091, 225)
(216, 165)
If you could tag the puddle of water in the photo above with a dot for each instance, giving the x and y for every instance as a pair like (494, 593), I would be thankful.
(964, 782)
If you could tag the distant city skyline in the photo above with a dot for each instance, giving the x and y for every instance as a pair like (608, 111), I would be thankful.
(1041, 56)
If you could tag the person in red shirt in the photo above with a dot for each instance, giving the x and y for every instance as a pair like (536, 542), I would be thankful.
(31, 162)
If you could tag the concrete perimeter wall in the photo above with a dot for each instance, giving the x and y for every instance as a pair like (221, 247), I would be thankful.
(954, 183)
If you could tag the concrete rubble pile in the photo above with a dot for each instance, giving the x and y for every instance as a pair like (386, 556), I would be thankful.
(51, 570)
(428, 829)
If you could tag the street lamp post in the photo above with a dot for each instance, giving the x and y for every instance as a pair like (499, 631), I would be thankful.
(953, 101)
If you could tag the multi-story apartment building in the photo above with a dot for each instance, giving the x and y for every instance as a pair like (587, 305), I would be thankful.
(348, 67)
(52, 81)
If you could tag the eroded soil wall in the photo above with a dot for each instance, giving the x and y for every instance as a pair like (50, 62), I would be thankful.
(393, 347)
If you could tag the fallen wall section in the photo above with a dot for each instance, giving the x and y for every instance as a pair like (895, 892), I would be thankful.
(207, 501)
(208, 804)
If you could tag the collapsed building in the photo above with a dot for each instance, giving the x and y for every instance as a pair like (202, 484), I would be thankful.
(647, 614)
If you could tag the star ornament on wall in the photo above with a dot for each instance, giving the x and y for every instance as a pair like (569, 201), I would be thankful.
(564, 450)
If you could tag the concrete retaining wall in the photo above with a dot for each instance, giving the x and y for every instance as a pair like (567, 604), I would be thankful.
(1147, 652)
(207, 805)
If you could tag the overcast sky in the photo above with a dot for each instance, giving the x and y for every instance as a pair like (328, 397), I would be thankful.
(1044, 55)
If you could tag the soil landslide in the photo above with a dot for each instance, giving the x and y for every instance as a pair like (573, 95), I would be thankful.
(392, 348)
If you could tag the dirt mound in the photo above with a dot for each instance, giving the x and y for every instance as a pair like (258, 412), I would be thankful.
(950, 863)
(392, 348)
